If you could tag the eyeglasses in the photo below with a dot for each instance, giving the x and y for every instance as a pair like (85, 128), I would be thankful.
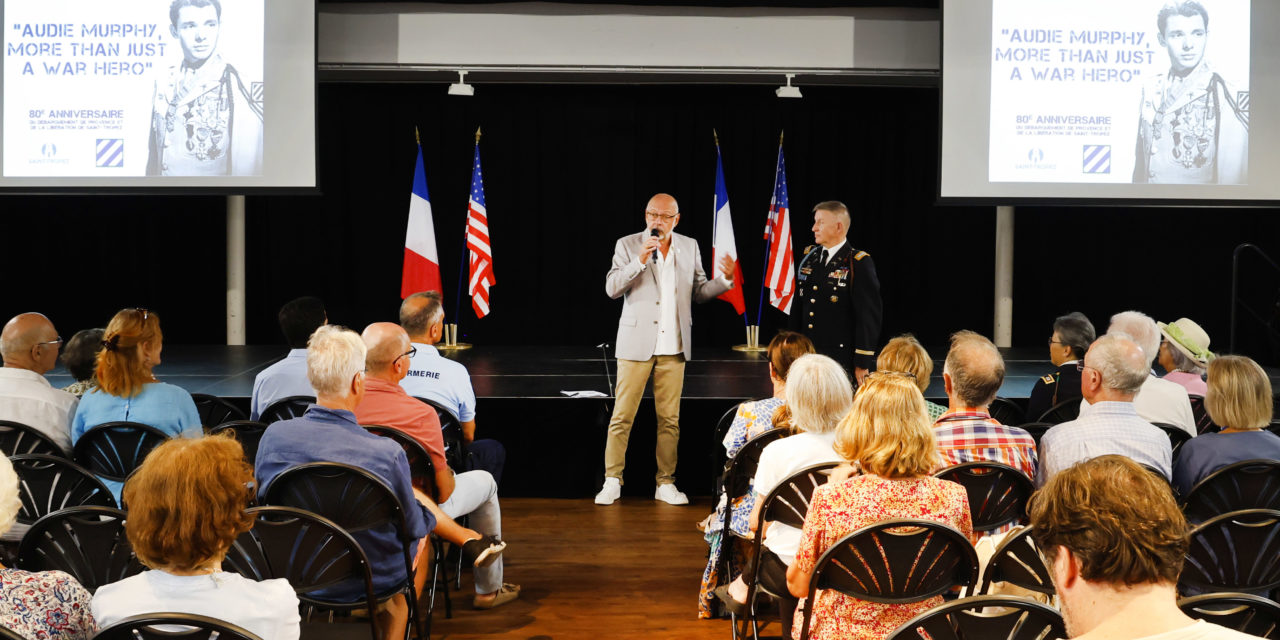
(413, 351)
(1081, 366)
(56, 340)
(1053, 342)
(660, 216)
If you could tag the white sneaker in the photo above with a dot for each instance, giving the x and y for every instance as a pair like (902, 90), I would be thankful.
(610, 492)
(669, 494)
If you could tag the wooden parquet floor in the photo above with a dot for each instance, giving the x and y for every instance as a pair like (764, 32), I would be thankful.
(627, 571)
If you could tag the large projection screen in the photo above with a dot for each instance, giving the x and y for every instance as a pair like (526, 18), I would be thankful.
(1091, 101)
(133, 95)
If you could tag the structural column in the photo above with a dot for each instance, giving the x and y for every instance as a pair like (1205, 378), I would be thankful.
(1004, 277)
(235, 270)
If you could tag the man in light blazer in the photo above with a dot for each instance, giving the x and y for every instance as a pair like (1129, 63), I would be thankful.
(656, 272)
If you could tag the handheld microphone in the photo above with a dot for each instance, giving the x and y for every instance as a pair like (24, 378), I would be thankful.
(653, 255)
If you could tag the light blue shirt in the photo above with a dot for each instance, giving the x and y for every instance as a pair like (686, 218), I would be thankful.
(1107, 428)
(437, 378)
(281, 380)
(164, 406)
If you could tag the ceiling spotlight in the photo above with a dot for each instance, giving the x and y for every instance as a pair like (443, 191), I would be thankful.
(461, 88)
(788, 91)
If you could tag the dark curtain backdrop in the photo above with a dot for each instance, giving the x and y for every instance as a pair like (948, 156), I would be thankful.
(568, 170)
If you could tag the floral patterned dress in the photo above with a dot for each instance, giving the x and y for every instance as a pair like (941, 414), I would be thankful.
(840, 509)
(49, 605)
(753, 418)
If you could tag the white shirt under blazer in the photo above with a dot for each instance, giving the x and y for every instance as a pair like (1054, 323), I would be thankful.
(638, 285)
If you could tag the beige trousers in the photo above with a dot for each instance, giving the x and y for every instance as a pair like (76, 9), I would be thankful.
(668, 384)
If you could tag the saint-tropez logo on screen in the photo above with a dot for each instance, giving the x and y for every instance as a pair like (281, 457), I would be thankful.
(1035, 159)
(47, 153)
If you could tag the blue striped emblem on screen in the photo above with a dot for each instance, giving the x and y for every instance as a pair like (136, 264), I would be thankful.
(110, 152)
(1097, 158)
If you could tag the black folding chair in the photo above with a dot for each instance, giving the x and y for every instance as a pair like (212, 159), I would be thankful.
(215, 411)
(455, 450)
(1017, 561)
(1248, 614)
(1062, 412)
(1204, 424)
(1235, 551)
(1177, 436)
(735, 483)
(17, 439)
(247, 432)
(309, 551)
(1252, 484)
(114, 449)
(1037, 429)
(355, 500)
(1006, 411)
(286, 408)
(985, 618)
(998, 493)
(51, 483)
(173, 626)
(894, 562)
(787, 504)
(718, 457)
(87, 542)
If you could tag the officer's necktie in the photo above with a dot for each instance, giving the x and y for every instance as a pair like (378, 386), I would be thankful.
(822, 257)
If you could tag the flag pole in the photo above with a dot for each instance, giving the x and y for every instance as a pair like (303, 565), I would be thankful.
(451, 331)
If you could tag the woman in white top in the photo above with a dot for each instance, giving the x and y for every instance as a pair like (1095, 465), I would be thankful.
(186, 507)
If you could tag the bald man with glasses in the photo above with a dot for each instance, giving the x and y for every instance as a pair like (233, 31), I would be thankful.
(30, 347)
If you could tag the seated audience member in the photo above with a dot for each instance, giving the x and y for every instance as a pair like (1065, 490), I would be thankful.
(298, 319)
(1112, 372)
(819, 395)
(29, 344)
(127, 388)
(473, 493)
(905, 354)
(752, 419)
(80, 357)
(445, 381)
(186, 507)
(1158, 400)
(1238, 400)
(1184, 354)
(1114, 540)
(46, 604)
(887, 437)
(972, 374)
(1072, 335)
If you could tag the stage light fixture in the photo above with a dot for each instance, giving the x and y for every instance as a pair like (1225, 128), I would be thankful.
(461, 88)
(787, 90)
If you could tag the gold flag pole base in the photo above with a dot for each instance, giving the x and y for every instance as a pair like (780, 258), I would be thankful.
(451, 340)
(753, 341)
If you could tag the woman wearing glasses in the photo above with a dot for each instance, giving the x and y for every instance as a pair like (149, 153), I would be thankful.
(127, 388)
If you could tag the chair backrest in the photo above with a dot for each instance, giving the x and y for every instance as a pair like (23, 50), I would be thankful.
(51, 483)
(1006, 411)
(1251, 484)
(308, 550)
(247, 432)
(1204, 424)
(894, 562)
(173, 626)
(286, 408)
(351, 497)
(114, 449)
(1017, 561)
(1062, 412)
(788, 503)
(1036, 429)
(1177, 436)
(741, 468)
(998, 493)
(1248, 614)
(970, 619)
(87, 542)
(420, 465)
(1235, 551)
(215, 411)
(718, 455)
(9, 634)
(17, 439)
(455, 452)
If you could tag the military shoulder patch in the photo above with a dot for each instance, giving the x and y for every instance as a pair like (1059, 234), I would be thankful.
(1048, 379)
(807, 250)
(859, 255)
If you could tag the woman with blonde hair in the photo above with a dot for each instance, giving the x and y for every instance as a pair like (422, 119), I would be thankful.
(905, 354)
(1239, 401)
(128, 390)
(888, 440)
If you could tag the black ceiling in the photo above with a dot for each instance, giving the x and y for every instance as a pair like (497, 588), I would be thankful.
(923, 4)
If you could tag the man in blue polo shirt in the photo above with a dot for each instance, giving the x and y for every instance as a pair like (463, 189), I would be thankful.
(288, 377)
(445, 381)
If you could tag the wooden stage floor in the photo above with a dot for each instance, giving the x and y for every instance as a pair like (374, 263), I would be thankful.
(627, 571)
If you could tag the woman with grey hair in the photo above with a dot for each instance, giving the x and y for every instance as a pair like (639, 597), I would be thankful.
(47, 604)
(1184, 353)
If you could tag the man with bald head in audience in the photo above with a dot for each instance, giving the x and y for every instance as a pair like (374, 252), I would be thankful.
(1159, 400)
(472, 493)
(30, 344)
(1111, 374)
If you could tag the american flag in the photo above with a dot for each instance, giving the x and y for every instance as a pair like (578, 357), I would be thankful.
(478, 243)
(780, 277)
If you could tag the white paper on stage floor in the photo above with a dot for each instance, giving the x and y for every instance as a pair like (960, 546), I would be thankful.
(584, 394)
(1067, 83)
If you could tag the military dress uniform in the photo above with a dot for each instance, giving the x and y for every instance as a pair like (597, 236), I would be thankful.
(1059, 386)
(205, 122)
(1193, 130)
(840, 308)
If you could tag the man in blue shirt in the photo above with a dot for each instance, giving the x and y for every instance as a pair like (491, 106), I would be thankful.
(288, 377)
(445, 381)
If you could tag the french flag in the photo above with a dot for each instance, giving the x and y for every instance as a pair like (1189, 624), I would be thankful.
(421, 262)
(722, 242)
